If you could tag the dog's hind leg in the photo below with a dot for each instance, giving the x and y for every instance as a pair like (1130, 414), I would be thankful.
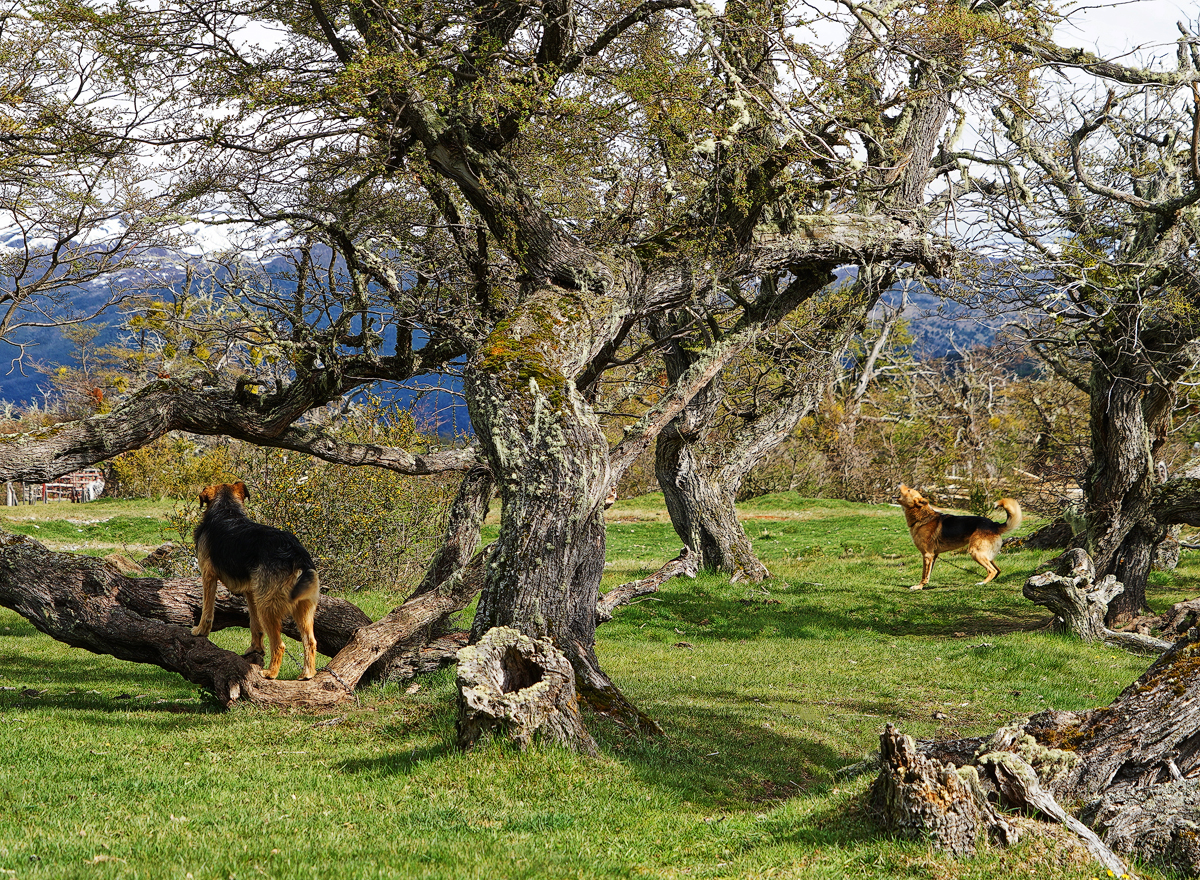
(256, 627)
(272, 621)
(305, 593)
(993, 571)
(304, 612)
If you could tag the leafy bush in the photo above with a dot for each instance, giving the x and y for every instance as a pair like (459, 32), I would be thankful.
(173, 466)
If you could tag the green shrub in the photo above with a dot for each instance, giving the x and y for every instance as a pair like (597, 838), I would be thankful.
(176, 465)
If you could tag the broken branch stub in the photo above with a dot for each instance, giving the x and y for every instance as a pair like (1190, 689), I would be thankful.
(1080, 602)
(520, 688)
(1072, 593)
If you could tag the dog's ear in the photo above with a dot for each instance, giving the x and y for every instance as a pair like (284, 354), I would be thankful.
(207, 495)
(240, 490)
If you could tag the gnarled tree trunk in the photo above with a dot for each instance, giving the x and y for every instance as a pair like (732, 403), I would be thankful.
(550, 457)
(1127, 421)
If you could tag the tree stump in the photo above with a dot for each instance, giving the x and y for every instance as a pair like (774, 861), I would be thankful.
(1080, 603)
(1071, 592)
(920, 797)
(519, 688)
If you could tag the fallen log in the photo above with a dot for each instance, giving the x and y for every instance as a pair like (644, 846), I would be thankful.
(88, 603)
(1134, 765)
(954, 806)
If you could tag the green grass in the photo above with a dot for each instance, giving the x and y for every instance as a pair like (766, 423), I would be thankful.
(95, 528)
(764, 691)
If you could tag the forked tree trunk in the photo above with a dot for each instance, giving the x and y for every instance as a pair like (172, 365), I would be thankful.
(701, 479)
(701, 508)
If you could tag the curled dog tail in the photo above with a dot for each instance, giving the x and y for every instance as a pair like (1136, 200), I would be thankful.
(1014, 514)
(309, 583)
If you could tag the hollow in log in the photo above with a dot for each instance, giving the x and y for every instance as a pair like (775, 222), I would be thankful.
(520, 688)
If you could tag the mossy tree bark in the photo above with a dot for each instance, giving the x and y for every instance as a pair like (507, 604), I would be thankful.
(546, 445)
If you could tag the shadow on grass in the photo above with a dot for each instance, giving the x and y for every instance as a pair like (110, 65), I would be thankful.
(397, 763)
(721, 761)
(83, 682)
(797, 611)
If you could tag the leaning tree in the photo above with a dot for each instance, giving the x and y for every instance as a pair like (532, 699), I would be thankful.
(505, 191)
(1102, 198)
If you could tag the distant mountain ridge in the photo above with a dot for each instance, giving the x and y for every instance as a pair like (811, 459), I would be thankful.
(939, 328)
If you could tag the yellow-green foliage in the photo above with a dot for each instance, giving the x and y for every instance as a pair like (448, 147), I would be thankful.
(364, 526)
(173, 466)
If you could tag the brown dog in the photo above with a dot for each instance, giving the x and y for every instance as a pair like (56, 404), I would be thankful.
(266, 565)
(935, 532)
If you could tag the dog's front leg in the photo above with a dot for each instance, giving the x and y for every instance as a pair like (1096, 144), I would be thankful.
(927, 560)
(208, 605)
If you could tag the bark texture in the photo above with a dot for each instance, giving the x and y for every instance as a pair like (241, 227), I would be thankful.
(1119, 485)
(917, 796)
(1080, 602)
(545, 444)
(519, 688)
(1134, 765)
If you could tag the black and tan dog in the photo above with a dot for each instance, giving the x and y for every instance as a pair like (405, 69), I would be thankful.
(935, 532)
(266, 565)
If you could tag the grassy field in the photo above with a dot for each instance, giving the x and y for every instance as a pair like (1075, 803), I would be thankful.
(113, 769)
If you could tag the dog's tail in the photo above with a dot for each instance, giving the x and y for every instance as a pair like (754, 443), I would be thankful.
(1014, 514)
(308, 582)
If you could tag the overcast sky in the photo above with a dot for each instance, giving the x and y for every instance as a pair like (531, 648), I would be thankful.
(1145, 27)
